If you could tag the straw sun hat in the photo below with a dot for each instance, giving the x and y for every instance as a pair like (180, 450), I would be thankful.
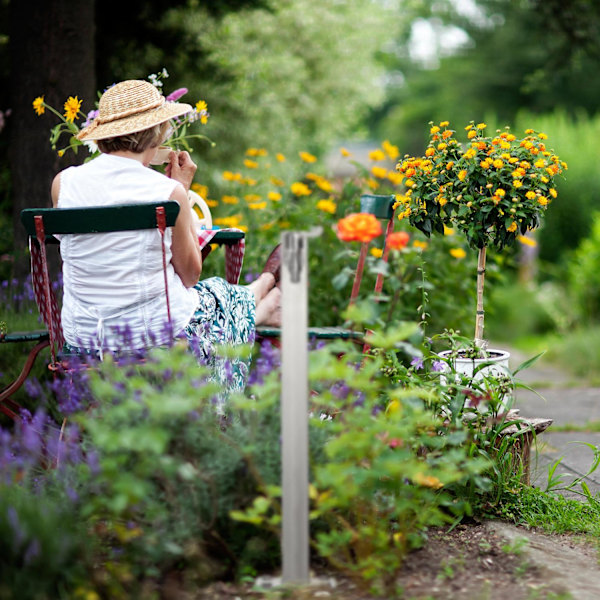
(128, 107)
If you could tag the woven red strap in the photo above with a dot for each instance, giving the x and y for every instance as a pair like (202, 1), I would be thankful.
(161, 222)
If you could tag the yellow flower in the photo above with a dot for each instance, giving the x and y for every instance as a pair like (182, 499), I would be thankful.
(307, 157)
(542, 136)
(430, 151)
(442, 146)
(448, 230)
(252, 198)
(553, 192)
(527, 241)
(276, 181)
(529, 131)
(444, 123)
(377, 252)
(61, 153)
(530, 195)
(512, 227)
(498, 162)
(72, 106)
(540, 164)
(457, 253)
(249, 181)
(379, 172)
(543, 200)
(232, 221)
(434, 129)
(391, 150)
(485, 164)
(428, 481)
(257, 205)
(324, 184)
(250, 164)
(229, 199)
(500, 192)
(212, 204)
(419, 245)
(274, 196)
(517, 184)
(462, 174)
(200, 106)
(377, 155)
(470, 153)
(256, 152)
(200, 189)
(372, 183)
(280, 157)
(229, 176)
(395, 177)
(472, 133)
(300, 189)
(328, 206)
(481, 125)
(344, 152)
(38, 105)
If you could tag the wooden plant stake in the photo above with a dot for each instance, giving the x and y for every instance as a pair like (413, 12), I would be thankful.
(479, 321)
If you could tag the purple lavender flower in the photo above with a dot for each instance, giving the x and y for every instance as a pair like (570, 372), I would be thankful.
(437, 365)
(174, 96)
(417, 362)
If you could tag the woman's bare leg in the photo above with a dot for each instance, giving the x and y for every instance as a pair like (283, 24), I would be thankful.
(268, 310)
(261, 286)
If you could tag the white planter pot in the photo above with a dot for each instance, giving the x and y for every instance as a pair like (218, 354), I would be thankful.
(496, 364)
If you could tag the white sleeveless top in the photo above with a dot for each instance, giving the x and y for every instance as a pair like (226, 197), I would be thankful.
(114, 282)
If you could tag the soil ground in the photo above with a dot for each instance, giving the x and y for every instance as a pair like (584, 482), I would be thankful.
(479, 561)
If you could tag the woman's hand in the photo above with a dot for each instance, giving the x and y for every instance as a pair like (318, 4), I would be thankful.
(181, 168)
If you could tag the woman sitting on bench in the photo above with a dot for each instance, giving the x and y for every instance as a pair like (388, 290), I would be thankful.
(114, 283)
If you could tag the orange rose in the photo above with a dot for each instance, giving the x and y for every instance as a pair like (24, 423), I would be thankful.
(398, 240)
(358, 227)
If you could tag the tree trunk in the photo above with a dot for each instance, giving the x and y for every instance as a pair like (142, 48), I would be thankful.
(479, 321)
(52, 54)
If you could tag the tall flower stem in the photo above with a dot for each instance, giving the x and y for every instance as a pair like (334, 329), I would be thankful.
(479, 321)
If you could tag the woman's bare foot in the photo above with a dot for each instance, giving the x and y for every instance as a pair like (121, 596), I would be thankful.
(268, 310)
(261, 286)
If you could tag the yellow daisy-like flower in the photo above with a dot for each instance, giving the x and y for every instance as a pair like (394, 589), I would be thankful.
(257, 205)
(462, 174)
(430, 151)
(540, 164)
(470, 153)
(212, 204)
(38, 105)
(201, 105)
(200, 189)
(512, 227)
(498, 163)
(419, 245)
(250, 164)
(252, 198)
(500, 192)
(517, 184)
(328, 206)
(280, 157)
(553, 192)
(345, 152)
(391, 150)
(434, 129)
(72, 106)
(457, 253)
(543, 201)
(230, 199)
(248, 181)
(530, 195)
(274, 196)
(529, 131)
(379, 172)
(324, 184)
(395, 177)
(481, 125)
(442, 146)
(376, 252)
(448, 230)
(256, 152)
(428, 481)
(276, 181)
(444, 123)
(307, 157)
(472, 133)
(230, 176)
(300, 189)
(372, 183)
(377, 155)
(526, 241)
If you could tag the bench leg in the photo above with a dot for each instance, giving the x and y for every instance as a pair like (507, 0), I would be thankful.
(8, 406)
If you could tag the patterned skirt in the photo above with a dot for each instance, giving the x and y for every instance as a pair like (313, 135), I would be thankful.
(225, 315)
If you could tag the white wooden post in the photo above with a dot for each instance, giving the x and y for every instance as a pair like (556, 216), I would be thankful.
(294, 408)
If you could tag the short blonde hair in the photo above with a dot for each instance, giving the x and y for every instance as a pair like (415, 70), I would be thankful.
(137, 142)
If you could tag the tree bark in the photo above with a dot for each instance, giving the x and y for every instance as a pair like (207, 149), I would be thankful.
(52, 54)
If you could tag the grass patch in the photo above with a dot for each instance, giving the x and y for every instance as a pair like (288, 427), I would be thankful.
(589, 427)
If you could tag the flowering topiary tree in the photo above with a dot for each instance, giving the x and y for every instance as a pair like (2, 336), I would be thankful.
(492, 188)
